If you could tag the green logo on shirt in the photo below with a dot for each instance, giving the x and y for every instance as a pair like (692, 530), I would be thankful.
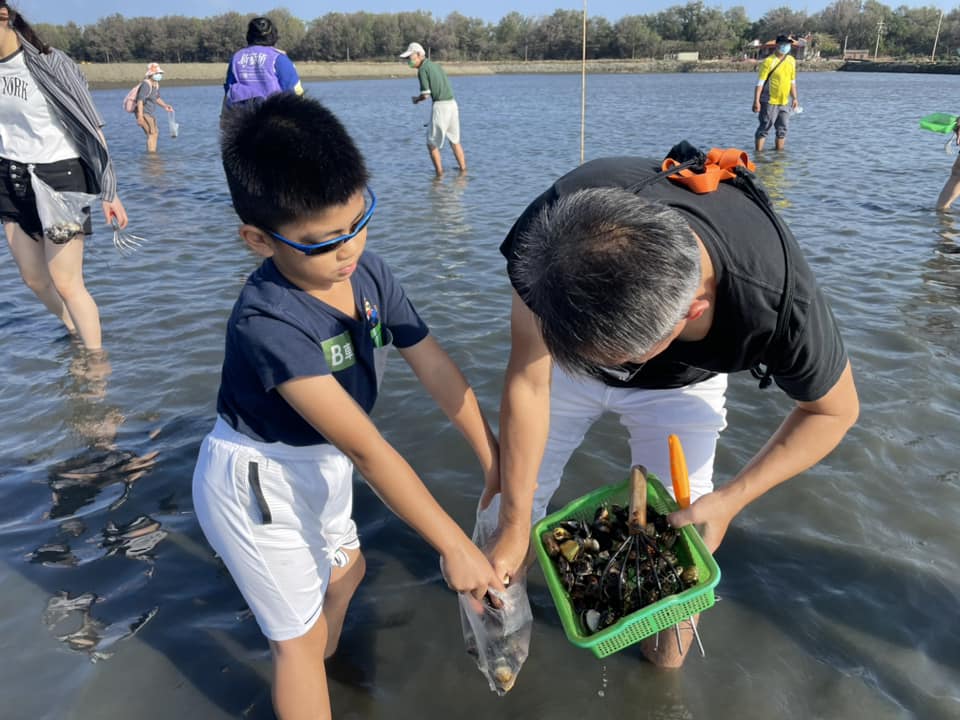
(339, 353)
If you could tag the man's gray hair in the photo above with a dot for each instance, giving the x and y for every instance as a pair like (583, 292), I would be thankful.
(608, 274)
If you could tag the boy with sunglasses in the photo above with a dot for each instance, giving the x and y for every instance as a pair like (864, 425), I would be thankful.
(305, 349)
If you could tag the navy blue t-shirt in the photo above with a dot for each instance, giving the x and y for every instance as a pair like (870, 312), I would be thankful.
(278, 332)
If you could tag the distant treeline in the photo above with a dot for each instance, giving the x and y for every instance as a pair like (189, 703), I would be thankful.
(902, 32)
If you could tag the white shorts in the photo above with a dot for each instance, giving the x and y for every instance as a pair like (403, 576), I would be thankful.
(279, 518)
(444, 123)
(696, 414)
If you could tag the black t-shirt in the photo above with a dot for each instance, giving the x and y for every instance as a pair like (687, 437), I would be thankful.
(748, 260)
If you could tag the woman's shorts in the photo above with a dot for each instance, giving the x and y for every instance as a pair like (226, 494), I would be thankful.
(18, 203)
(280, 518)
(151, 123)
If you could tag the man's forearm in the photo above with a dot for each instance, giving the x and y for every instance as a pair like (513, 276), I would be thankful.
(524, 424)
(801, 441)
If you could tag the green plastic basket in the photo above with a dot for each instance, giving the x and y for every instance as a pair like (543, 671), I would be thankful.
(653, 618)
(939, 122)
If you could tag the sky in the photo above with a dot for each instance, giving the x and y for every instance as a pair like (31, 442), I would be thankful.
(85, 12)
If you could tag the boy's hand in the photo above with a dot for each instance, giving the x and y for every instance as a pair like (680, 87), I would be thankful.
(466, 570)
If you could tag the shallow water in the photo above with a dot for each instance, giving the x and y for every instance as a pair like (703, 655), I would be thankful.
(840, 589)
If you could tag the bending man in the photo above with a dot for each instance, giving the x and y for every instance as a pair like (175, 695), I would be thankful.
(640, 302)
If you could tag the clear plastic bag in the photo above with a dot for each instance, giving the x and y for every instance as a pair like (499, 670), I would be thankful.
(62, 214)
(173, 124)
(499, 638)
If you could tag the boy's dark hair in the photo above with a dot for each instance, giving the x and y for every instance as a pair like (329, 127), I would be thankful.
(261, 31)
(288, 157)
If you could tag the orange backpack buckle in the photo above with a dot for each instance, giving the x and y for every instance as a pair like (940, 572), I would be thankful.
(720, 165)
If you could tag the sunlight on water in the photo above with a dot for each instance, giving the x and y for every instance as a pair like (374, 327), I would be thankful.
(839, 589)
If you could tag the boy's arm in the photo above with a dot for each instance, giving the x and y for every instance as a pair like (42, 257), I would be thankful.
(453, 394)
(322, 402)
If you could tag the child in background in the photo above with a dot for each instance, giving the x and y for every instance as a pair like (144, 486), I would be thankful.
(305, 348)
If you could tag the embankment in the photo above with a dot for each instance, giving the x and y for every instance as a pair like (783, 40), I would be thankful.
(124, 74)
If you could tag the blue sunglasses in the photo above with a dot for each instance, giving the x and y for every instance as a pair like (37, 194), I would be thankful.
(330, 245)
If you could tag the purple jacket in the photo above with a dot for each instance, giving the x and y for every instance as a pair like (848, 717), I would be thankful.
(254, 71)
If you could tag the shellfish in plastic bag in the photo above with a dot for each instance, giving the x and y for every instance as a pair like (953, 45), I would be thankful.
(62, 214)
(499, 637)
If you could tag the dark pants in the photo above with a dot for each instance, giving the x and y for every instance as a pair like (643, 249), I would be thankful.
(773, 116)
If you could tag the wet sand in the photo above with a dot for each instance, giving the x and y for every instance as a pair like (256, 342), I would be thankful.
(105, 75)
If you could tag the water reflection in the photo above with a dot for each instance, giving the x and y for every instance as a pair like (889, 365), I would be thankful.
(75, 482)
(772, 172)
(155, 167)
(446, 200)
(92, 635)
(84, 389)
(135, 539)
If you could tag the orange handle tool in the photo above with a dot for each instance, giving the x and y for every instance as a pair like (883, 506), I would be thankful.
(678, 472)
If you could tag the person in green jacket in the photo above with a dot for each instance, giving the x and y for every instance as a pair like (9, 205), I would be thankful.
(445, 118)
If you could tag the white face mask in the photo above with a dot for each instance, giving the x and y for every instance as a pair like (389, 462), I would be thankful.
(158, 76)
(785, 49)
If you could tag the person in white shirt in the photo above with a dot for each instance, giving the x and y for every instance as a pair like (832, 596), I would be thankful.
(48, 122)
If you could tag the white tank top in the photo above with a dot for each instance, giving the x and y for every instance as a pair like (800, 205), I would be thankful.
(29, 131)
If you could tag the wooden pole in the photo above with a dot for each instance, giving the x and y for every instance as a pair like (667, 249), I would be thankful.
(583, 84)
(933, 55)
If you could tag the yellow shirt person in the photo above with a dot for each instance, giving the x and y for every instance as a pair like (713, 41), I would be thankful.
(776, 84)
(784, 74)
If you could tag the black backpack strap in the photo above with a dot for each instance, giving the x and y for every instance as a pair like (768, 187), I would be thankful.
(690, 157)
(745, 181)
(686, 154)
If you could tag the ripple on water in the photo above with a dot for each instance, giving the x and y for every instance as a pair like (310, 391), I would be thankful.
(844, 580)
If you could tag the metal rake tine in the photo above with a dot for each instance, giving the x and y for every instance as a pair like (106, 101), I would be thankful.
(131, 240)
(126, 242)
(696, 635)
(121, 244)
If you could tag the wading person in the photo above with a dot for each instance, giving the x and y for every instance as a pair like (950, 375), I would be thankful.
(639, 301)
(48, 120)
(305, 349)
(951, 189)
(260, 69)
(775, 94)
(148, 97)
(444, 115)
